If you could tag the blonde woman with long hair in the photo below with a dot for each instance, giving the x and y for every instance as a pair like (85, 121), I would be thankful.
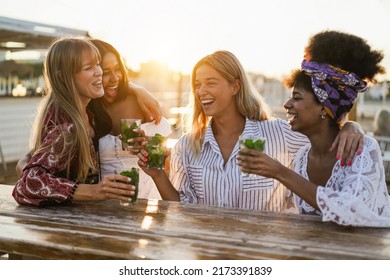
(203, 166)
(63, 164)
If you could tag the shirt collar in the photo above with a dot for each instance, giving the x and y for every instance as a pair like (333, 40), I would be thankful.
(209, 138)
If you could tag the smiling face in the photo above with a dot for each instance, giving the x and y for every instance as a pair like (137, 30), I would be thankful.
(88, 80)
(214, 93)
(304, 111)
(112, 76)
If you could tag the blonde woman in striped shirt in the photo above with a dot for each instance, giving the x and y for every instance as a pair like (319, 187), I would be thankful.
(203, 167)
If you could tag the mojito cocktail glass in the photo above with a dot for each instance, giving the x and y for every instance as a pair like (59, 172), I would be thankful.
(251, 142)
(127, 133)
(156, 152)
(133, 174)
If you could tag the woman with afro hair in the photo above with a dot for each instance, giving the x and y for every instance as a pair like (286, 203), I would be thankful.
(335, 69)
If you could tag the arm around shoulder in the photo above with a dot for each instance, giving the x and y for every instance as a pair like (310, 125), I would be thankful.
(148, 103)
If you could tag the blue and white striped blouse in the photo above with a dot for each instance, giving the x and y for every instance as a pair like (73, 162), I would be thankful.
(207, 180)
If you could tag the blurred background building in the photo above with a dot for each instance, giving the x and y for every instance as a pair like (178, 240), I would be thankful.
(23, 46)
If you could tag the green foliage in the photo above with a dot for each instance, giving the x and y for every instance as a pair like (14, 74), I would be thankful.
(257, 145)
(133, 174)
(156, 140)
(128, 133)
(156, 152)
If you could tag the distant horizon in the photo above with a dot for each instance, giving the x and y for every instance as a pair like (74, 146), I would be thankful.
(268, 37)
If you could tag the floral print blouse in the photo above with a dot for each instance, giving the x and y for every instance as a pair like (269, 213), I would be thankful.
(44, 179)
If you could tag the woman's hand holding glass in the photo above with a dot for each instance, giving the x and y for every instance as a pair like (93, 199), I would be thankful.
(144, 159)
(138, 143)
(115, 186)
(257, 162)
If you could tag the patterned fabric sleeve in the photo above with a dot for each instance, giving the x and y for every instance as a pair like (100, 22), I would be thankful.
(357, 195)
(178, 172)
(41, 182)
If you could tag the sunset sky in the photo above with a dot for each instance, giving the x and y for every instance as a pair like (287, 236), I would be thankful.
(267, 36)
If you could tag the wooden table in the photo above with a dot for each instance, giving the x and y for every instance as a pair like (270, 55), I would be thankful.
(170, 230)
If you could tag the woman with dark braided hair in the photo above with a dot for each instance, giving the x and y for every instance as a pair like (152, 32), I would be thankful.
(335, 69)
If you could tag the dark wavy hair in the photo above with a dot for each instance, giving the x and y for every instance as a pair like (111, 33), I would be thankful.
(105, 48)
(346, 51)
(102, 119)
(343, 50)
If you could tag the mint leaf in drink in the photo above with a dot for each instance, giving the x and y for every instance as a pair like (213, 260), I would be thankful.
(156, 152)
(128, 133)
(132, 174)
(249, 143)
(156, 140)
(258, 145)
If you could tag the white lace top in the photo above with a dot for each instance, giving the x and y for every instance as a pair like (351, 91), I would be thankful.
(113, 158)
(354, 195)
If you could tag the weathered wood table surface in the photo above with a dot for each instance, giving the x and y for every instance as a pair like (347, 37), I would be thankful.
(168, 230)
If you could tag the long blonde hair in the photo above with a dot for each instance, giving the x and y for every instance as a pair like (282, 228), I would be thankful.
(249, 102)
(62, 99)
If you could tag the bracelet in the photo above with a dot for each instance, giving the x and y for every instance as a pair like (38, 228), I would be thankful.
(73, 191)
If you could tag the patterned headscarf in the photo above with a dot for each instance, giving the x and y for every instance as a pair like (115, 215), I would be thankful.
(335, 88)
